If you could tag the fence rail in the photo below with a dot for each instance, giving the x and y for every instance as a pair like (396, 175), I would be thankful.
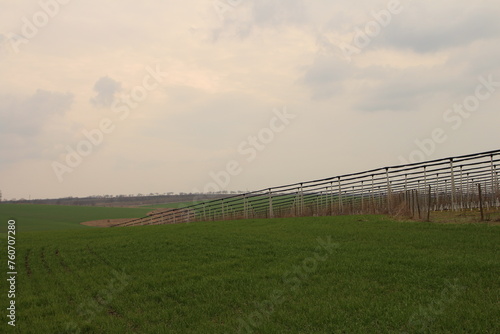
(455, 183)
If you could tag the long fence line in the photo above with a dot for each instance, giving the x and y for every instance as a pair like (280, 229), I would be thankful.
(455, 183)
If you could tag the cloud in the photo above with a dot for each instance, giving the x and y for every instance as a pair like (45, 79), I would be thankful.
(426, 29)
(325, 76)
(276, 12)
(242, 19)
(27, 116)
(106, 89)
(424, 52)
(22, 121)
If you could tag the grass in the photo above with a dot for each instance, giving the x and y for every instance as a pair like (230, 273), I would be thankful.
(32, 217)
(346, 274)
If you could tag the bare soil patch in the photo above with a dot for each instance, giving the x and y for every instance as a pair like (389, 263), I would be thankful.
(107, 222)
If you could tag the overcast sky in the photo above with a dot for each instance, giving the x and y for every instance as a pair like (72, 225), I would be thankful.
(126, 97)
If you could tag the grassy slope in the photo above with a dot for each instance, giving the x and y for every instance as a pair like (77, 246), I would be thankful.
(218, 277)
(56, 217)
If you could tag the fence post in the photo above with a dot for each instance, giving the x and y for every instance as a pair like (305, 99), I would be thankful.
(301, 200)
(362, 198)
(493, 183)
(271, 214)
(340, 197)
(406, 187)
(326, 200)
(429, 201)
(379, 206)
(245, 206)
(468, 200)
(412, 195)
(331, 198)
(389, 209)
(437, 191)
(425, 177)
(480, 201)
(446, 191)
(418, 204)
(373, 196)
(461, 188)
(497, 187)
(452, 185)
(318, 196)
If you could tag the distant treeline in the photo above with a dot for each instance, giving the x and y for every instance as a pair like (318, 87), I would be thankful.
(128, 200)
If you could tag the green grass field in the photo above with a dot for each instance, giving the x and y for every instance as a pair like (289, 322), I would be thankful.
(346, 274)
(56, 217)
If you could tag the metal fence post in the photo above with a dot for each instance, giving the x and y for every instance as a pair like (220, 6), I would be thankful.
(389, 209)
(452, 185)
(245, 206)
(271, 213)
(373, 195)
(461, 188)
(340, 197)
(480, 201)
(362, 197)
(331, 198)
(301, 200)
(493, 190)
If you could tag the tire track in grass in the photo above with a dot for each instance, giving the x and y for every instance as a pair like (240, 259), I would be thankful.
(86, 305)
(62, 290)
(113, 313)
(27, 263)
(105, 304)
(62, 262)
(101, 259)
(51, 290)
(92, 301)
(61, 281)
(44, 262)
(36, 288)
(29, 287)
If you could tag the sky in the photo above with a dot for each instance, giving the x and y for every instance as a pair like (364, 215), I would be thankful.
(126, 97)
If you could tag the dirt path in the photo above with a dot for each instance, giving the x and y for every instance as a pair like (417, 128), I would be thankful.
(106, 222)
